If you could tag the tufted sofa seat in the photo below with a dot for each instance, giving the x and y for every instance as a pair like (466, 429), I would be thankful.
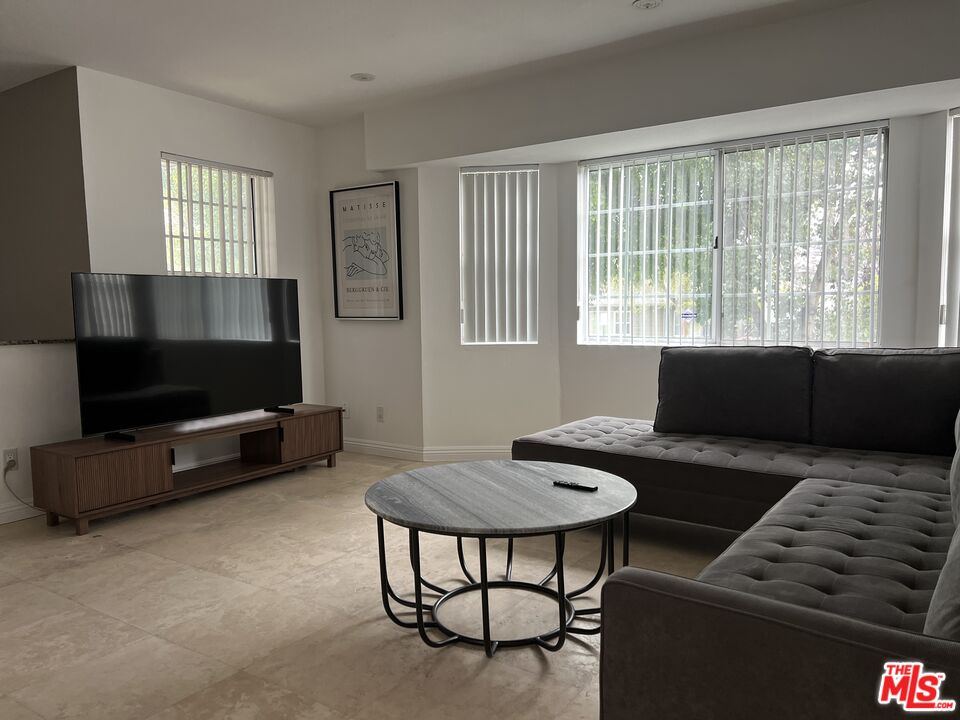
(862, 551)
(718, 480)
(796, 619)
(637, 438)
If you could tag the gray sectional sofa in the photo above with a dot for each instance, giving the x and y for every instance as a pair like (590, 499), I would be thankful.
(855, 562)
(737, 428)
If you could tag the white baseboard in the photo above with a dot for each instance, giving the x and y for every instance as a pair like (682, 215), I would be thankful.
(383, 449)
(13, 511)
(426, 454)
(465, 452)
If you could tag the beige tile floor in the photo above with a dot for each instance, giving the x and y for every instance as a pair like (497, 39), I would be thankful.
(263, 601)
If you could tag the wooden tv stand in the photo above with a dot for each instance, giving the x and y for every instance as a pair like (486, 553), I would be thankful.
(96, 477)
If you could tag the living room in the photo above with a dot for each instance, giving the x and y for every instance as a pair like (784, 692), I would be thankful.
(654, 248)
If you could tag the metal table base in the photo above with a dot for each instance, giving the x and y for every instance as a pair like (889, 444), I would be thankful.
(567, 614)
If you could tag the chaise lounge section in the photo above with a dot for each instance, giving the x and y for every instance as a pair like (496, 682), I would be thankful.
(797, 618)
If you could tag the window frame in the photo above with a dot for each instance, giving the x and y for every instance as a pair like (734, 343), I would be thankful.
(260, 199)
(583, 223)
(719, 150)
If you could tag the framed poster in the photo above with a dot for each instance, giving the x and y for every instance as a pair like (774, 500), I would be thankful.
(365, 228)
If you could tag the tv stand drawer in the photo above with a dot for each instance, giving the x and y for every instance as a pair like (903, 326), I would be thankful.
(120, 476)
(309, 436)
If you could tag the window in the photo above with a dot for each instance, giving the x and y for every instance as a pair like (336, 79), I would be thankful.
(215, 217)
(499, 235)
(648, 249)
(767, 242)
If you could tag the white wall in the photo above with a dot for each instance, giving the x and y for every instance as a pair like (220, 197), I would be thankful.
(898, 248)
(38, 405)
(832, 53)
(932, 229)
(371, 363)
(477, 398)
(441, 400)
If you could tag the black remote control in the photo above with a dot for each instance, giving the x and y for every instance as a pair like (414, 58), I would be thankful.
(575, 486)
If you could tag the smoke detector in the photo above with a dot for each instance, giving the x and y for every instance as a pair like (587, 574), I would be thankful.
(364, 77)
(647, 4)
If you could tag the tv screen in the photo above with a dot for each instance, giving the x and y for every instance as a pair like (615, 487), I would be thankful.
(155, 349)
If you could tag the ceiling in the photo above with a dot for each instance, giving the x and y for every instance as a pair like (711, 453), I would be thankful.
(293, 58)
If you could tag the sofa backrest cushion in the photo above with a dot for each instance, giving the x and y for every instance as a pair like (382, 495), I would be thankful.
(882, 399)
(754, 392)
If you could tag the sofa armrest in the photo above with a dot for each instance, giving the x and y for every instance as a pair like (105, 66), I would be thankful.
(679, 648)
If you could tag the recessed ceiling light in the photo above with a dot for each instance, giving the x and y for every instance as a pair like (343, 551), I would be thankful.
(647, 4)
(363, 77)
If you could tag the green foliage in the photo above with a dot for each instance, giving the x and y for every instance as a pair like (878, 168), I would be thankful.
(207, 218)
(799, 253)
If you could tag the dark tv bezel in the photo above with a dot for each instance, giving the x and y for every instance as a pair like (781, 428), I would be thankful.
(168, 423)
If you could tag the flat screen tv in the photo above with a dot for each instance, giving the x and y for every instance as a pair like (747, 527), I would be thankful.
(156, 349)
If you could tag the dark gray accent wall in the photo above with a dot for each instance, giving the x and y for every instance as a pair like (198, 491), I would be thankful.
(43, 217)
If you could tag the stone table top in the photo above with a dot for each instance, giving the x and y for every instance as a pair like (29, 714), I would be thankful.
(498, 498)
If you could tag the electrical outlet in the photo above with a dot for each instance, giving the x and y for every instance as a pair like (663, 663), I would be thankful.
(380, 413)
(10, 459)
(346, 411)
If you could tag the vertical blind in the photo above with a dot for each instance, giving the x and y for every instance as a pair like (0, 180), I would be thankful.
(801, 239)
(213, 216)
(769, 241)
(499, 236)
(648, 244)
(950, 283)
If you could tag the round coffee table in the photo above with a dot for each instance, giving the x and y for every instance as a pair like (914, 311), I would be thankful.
(499, 499)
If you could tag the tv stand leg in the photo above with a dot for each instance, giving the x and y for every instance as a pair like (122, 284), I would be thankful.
(332, 461)
(82, 525)
(53, 519)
